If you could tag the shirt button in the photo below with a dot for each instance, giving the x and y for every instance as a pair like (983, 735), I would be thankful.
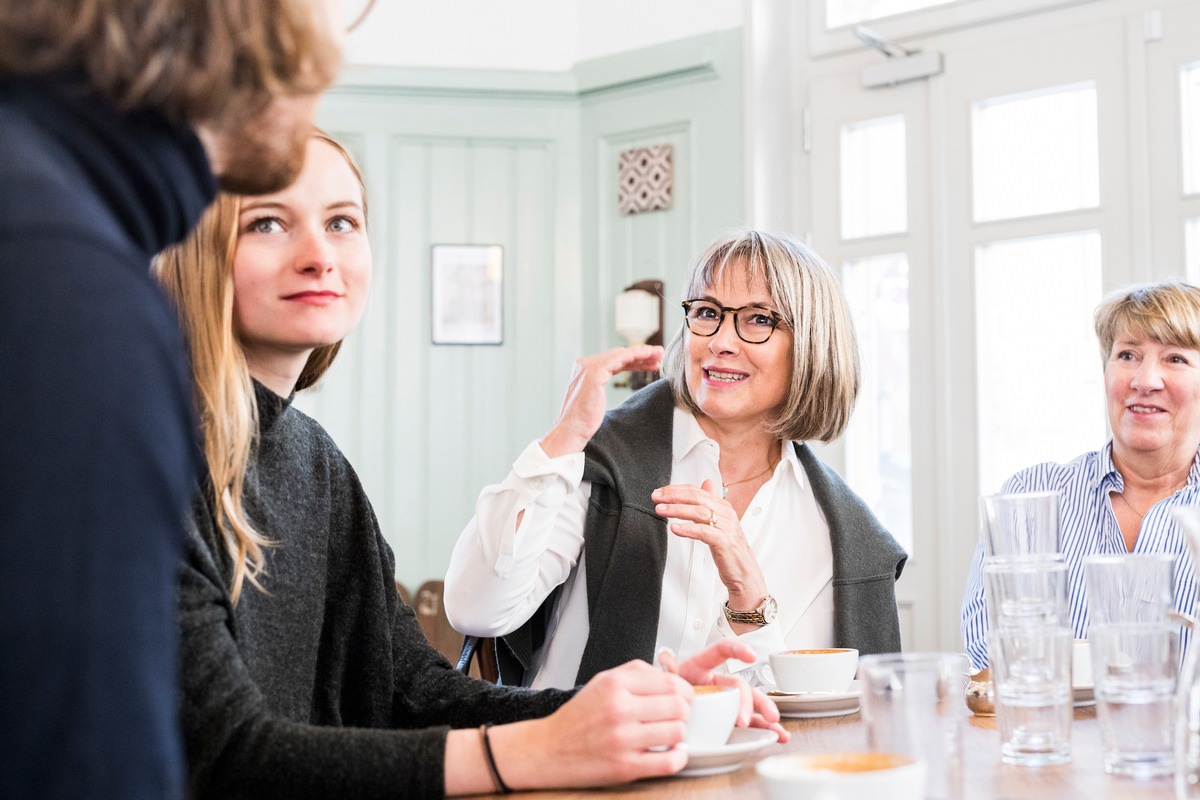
(697, 624)
(757, 510)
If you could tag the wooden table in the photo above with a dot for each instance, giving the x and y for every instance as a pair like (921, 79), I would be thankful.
(985, 777)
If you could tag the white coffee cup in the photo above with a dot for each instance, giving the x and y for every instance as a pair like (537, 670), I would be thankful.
(844, 776)
(1081, 665)
(828, 670)
(714, 713)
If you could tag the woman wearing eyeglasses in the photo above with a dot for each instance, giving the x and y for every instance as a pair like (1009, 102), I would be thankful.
(694, 511)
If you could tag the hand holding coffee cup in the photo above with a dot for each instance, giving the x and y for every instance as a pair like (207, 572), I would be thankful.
(828, 670)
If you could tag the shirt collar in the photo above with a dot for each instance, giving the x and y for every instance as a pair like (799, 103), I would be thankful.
(1106, 470)
(1107, 474)
(687, 435)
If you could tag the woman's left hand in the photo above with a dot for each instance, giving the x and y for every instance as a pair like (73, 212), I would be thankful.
(757, 710)
(700, 514)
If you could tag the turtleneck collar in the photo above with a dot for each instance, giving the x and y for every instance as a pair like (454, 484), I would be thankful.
(271, 407)
(153, 175)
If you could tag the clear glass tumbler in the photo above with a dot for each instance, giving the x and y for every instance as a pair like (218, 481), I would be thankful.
(912, 704)
(1031, 670)
(1136, 669)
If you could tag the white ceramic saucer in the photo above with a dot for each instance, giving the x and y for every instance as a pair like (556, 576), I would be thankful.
(813, 705)
(729, 756)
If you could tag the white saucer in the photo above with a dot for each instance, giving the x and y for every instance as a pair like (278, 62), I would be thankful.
(813, 705)
(1084, 696)
(729, 756)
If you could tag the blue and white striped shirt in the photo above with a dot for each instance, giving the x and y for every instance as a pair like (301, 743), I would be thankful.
(1088, 527)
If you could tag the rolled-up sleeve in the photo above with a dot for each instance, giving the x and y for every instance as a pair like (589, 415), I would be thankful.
(524, 540)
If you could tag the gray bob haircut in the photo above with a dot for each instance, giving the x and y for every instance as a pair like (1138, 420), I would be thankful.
(825, 370)
(1166, 312)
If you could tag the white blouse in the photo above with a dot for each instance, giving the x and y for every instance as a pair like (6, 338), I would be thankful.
(499, 574)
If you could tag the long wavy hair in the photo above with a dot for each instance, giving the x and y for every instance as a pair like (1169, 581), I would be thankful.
(198, 276)
(197, 61)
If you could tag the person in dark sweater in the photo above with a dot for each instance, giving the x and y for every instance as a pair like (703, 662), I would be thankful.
(304, 675)
(115, 115)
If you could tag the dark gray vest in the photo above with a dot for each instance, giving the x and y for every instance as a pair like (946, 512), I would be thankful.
(626, 547)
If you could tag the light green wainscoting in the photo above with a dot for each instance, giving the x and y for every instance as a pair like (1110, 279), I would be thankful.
(527, 161)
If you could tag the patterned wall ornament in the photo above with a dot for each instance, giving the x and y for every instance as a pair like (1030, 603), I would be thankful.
(645, 179)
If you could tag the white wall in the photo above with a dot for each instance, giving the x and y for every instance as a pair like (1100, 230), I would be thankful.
(614, 26)
(547, 35)
(526, 160)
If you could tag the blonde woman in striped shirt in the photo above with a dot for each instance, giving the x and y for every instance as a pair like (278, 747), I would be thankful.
(1119, 498)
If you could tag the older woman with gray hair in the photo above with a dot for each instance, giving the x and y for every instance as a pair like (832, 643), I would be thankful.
(1119, 499)
(694, 511)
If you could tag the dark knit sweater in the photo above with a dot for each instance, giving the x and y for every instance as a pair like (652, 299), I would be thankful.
(324, 686)
(98, 443)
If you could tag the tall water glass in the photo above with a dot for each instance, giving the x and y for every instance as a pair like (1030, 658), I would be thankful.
(912, 704)
(1187, 728)
(1031, 670)
(1129, 587)
(1136, 667)
(1026, 590)
(1020, 524)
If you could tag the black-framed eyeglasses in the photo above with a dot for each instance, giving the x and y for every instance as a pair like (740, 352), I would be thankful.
(753, 324)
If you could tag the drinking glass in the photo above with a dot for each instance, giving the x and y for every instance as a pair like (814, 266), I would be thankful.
(1187, 729)
(1031, 670)
(912, 704)
(1020, 524)
(1129, 587)
(1026, 590)
(1136, 668)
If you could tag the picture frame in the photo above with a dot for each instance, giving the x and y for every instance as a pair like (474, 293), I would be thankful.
(467, 282)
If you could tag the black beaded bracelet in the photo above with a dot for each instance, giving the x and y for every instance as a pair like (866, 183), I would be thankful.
(491, 760)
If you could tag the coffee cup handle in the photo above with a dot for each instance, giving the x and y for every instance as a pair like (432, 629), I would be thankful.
(763, 675)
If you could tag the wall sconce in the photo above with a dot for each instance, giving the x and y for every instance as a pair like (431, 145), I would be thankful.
(640, 321)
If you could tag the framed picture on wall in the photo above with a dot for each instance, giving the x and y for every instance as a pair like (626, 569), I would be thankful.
(468, 293)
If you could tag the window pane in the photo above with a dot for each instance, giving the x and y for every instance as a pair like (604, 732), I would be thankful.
(1040, 378)
(1191, 252)
(874, 178)
(1191, 128)
(878, 441)
(1036, 153)
(848, 12)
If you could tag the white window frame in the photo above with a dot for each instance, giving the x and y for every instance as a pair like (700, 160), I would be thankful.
(935, 19)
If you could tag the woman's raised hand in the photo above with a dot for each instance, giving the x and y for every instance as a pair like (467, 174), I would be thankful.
(584, 405)
(700, 514)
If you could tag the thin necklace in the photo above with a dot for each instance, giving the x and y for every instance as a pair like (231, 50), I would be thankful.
(725, 486)
(1129, 505)
(1142, 514)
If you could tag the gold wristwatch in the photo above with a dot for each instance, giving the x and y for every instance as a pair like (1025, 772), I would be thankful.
(765, 614)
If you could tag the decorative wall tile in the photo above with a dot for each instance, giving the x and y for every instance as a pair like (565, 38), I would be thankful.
(645, 179)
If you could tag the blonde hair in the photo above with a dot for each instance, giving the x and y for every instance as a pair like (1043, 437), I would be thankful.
(197, 61)
(198, 276)
(825, 371)
(1167, 312)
